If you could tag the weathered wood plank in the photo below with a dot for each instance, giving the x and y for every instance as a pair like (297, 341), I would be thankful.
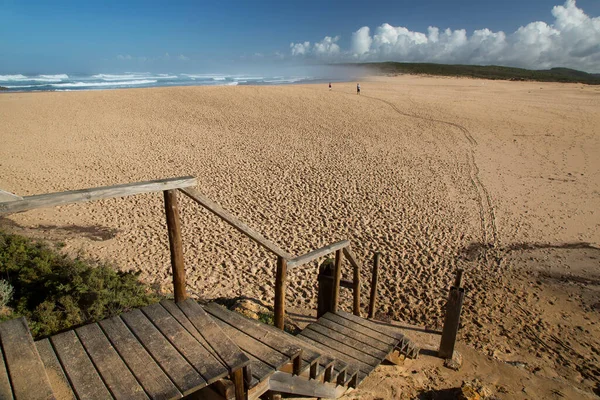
(352, 366)
(361, 329)
(8, 196)
(255, 348)
(341, 347)
(152, 378)
(388, 331)
(210, 368)
(382, 346)
(105, 192)
(279, 342)
(260, 370)
(313, 255)
(25, 368)
(286, 383)
(56, 375)
(349, 341)
(177, 368)
(229, 353)
(115, 374)
(78, 367)
(176, 312)
(233, 221)
(175, 245)
(5, 389)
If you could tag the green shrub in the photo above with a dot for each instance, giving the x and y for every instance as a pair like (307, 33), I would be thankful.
(55, 292)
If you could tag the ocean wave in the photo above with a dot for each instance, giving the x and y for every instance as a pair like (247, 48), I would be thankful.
(110, 77)
(100, 84)
(57, 76)
(8, 78)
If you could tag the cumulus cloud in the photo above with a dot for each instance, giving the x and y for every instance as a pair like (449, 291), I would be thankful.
(572, 40)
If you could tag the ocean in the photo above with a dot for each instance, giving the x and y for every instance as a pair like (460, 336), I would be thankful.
(69, 82)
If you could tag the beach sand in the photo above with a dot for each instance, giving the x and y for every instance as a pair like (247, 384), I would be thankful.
(499, 178)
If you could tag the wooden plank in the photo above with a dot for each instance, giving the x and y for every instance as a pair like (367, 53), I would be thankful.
(177, 368)
(8, 196)
(388, 331)
(229, 353)
(356, 268)
(337, 275)
(56, 375)
(25, 368)
(347, 340)
(5, 389)
(105, 192)
(341, 347)
(374, 282)
(278, 341)
(353, 366)
(382, 346)
(209, 367)
(260, 370)
(175, 245)
(280, 289)
(115, 374)
(360, 328)
(313, 255)
(233, 221)
(174, 310)
(152, 378)
(343, 282)
(290, 384)
(254, 347)
(309, 352)
(78, 367)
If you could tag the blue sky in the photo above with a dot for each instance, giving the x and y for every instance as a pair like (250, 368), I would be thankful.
(94, 36)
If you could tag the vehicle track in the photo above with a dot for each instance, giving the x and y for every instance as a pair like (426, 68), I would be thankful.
(487, 216)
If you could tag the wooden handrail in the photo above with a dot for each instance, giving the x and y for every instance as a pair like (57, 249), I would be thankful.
(313, 255)
(233, 221)
(105, 192)
(355, 280)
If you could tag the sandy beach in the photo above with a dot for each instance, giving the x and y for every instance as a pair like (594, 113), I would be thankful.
(499, 178)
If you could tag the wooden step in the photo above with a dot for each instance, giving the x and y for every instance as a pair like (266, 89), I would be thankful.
(22, 373)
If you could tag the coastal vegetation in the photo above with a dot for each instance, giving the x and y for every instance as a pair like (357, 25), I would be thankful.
(485, 72)
(57, 292)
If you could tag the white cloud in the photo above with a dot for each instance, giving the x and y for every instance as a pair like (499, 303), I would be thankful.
(183, 58)
(572, 40)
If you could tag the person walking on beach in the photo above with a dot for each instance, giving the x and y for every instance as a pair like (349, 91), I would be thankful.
(358, 88)
(329, 85)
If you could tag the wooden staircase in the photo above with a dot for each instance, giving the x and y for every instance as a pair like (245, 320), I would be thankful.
(169, 351)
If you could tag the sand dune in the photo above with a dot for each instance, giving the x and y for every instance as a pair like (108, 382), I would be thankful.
(436, 173)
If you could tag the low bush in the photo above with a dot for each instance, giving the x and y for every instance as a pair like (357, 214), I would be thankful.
(56, 292)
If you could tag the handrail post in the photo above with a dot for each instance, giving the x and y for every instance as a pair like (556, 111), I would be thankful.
(374, 279)
(175, 245)
(452, 318)
(280, 287)
(356, 291)
(336, 280)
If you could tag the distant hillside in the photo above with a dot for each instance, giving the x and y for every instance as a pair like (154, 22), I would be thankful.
(486, 72)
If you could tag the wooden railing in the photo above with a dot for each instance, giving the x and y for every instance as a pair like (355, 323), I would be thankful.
(11, 203)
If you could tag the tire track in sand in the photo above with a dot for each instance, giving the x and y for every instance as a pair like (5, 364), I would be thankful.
(487, 216)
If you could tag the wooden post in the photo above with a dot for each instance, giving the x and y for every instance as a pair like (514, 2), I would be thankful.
(238, 380)
(337, 275)
(356, 291)
(325, 290)
(175, 244)
(280, 287)
(452, 318)
(374, 279)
